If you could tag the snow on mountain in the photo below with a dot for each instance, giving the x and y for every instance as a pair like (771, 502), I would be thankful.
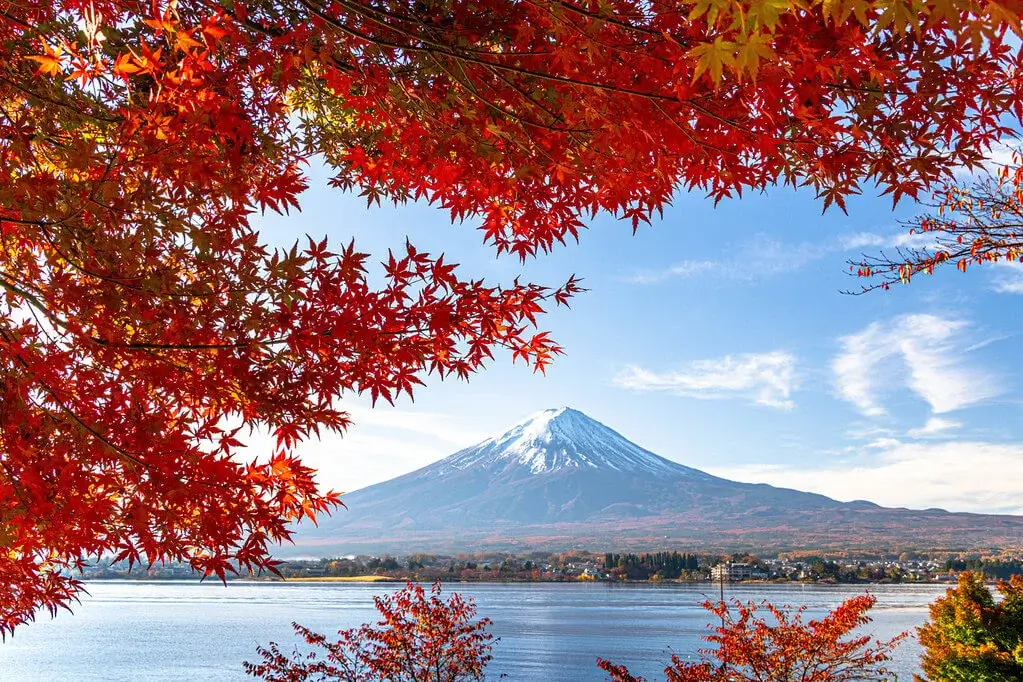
(557, 439)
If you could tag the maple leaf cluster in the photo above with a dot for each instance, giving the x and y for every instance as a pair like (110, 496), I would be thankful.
(781, 647)
(147, 329)
(531, 116)
(420, 638)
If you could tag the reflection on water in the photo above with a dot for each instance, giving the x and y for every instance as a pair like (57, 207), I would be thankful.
(188, 631)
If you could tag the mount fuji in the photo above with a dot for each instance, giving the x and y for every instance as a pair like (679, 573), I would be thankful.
(559, 479)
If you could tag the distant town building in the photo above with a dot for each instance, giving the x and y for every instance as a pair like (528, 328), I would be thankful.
(731, 572)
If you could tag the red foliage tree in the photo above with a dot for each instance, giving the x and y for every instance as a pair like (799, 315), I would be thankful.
(749, 647)
(145, 326)
(969, 223)
(419, 638)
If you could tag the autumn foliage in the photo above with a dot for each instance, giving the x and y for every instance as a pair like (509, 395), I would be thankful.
(419, 638)
(971, 636)
(146, 329)
(970, 222)
(780, 647)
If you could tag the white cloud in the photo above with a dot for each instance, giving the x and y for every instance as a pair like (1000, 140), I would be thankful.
(761, 256)
(434, 424)
(686, 268)
(1010, 286)
(382, 442)
(767, 256)
(764, 256)
(867, 431)
(895, 240)
(935, 426)
(362, 458)
(765, 379)
(986, 342)
(1010, 277)
(928, 347)
(881, 444)
(854, 370)
(958, 476)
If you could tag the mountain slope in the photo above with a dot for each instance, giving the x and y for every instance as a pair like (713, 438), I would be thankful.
(559, 479)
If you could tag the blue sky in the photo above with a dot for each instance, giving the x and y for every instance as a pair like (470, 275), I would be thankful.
(719, 337)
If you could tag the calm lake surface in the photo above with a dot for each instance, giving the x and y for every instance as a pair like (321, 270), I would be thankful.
(188, 631)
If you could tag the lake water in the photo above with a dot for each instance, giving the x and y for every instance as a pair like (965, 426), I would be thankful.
(128, 631)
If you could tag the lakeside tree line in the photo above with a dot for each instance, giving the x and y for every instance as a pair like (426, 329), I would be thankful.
(990, 568)
(844, 567)
(664, 565)
(830, 567)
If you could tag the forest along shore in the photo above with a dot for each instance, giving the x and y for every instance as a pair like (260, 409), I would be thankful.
(939, 566)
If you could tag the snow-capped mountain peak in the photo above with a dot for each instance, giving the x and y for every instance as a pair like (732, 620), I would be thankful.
(559, 479)
(562, 438)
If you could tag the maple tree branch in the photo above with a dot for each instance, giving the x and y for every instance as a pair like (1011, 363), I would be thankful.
(32, 93)
(466, 82)
(15, 20)
(11, 284)
(183, 346)
(391, 21)
(22, 221)
(7, 337)
(572, 7)
(613, 47)
(16, 485)
(121, 282)
(446, 51)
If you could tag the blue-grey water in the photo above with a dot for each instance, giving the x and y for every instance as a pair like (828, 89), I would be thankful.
(156, 631)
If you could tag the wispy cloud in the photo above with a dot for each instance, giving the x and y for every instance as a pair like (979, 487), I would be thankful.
(765, 256)
(986, 342)
(761, 256)
(360, 457)
(902, 239)
(881, 443)
(920, 352)
(381, 443)
(1008, 278)
(867, 431)
(935, 426)
(952, 475)
(443, 427)
(764, 379)
(687, 268)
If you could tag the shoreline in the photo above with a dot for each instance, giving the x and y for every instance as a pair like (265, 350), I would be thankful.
(329, 579)
(373, 579)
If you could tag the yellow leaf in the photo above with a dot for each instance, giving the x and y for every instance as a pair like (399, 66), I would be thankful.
(898, 15)
(712, 8)
(48, 63)
(840, 10)
(756, 47)
(765, 13)
(712, 58)
(183, 42)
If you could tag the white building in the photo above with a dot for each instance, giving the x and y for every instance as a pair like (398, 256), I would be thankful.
(731, 572)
